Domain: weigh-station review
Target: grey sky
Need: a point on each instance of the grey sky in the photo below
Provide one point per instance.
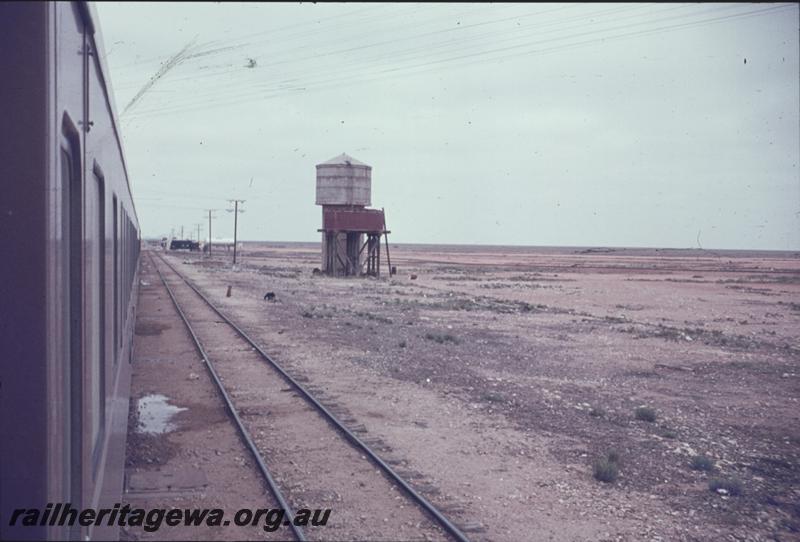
(537, 124)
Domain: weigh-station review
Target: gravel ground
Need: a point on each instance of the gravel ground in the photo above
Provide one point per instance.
(196, 459)
(311, 461)
(498, 378)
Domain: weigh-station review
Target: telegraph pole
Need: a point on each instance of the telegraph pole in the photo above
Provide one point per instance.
(181, 232)
(235, 212)
(198, 231)
(209, 229)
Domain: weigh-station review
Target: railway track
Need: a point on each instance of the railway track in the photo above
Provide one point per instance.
(295, 440)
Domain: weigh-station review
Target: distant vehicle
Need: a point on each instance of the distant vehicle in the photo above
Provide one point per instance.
(184, 244)
(69, 298)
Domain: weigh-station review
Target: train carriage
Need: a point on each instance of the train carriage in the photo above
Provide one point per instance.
(68, 285)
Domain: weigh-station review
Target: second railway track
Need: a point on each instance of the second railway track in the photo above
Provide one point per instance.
(303, 450)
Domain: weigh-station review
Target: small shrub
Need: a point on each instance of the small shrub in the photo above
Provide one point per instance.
(441, 338)
(492, 397)
(402, 344)
(669, 433)
(702, 462)
(374, 317)
(307, 314)
(645, 414)
(605, 470)
(732, 485)
(597, 412)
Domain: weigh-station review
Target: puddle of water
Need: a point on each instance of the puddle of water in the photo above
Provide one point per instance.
(155, 414)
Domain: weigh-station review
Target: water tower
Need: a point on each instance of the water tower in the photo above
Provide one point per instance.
(351, 233)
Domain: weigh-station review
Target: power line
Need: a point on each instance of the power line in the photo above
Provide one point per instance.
(173, 61)
(304, 36)
(159, 59)
(426, 48)
(200, 52)
(460, 29)
(468, 59)
(246, 94)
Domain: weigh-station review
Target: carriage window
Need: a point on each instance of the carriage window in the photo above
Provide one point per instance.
(66, 316)
(72, 221)
(97, 368)
(124, 268)
(117, 340)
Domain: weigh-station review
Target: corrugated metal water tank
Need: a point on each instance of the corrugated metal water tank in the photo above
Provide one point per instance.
(343, 180)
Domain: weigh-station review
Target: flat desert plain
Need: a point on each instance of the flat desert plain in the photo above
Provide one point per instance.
(552, 393)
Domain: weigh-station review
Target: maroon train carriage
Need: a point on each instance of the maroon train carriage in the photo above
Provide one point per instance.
(70, 240)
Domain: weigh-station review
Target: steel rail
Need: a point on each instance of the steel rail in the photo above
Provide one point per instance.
(273, 486)
(446, 524)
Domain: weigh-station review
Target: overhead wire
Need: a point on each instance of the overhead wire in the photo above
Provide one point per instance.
(159, 59)
(233, 45)
(460, 28)
(182, 58)
(426, 52)
(423, 51)
(434, 63)
(230, 67)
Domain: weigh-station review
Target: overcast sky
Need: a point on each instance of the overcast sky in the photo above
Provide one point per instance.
(659, 125)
